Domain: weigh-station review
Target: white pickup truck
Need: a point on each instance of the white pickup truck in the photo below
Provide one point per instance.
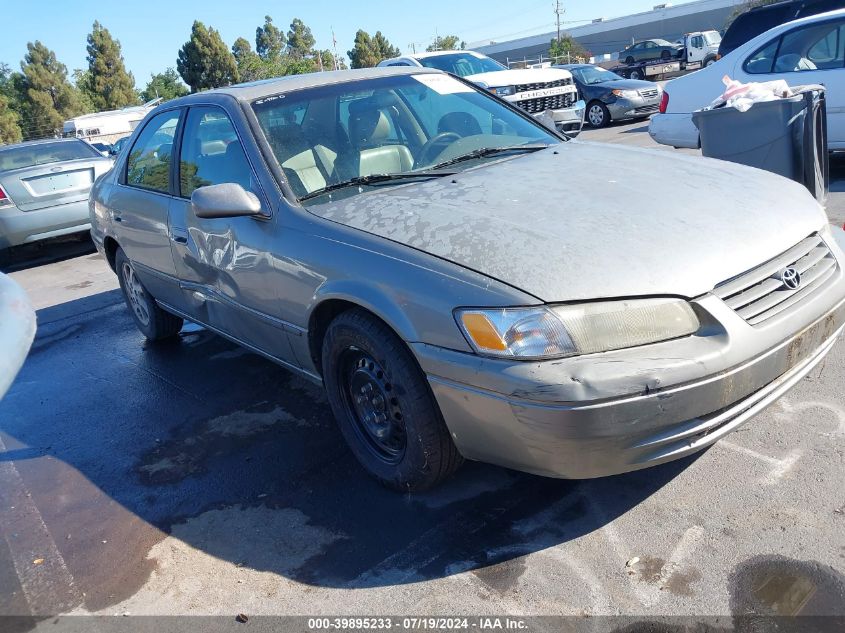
(538, 91)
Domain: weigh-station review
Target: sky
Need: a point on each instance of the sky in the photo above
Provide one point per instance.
(152, 31)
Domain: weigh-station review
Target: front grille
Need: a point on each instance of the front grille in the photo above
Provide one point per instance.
(557, 102)
(543, 86)
(760, 294)
(648, 93)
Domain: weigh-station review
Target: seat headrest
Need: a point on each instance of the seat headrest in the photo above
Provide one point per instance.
(461, 123)
(368, 127)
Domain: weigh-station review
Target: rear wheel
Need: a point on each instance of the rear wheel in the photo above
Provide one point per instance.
(629, 61)
(155, 324)
(384, 406)
(636, 74)
(598, 115)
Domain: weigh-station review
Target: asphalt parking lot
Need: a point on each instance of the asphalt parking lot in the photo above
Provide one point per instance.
(196, 478)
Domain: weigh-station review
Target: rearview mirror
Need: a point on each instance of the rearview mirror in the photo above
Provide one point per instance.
(226, 200)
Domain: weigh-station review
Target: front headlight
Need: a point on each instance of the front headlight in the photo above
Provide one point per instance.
(572, 330)
(626, 94)
(504, 91)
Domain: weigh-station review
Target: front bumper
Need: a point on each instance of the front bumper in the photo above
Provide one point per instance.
(568, 120)
(612, 413)
(21, 227)
(623, 109)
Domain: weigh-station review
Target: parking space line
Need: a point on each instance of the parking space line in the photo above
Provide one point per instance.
(683, 550)
(780, 467)
(46, 582)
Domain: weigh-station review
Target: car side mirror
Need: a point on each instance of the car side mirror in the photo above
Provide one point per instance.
(226, 200)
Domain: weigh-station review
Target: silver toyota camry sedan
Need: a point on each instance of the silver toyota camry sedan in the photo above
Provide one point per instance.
(466, 283)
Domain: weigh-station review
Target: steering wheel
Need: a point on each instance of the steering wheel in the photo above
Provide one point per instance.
(442, 139)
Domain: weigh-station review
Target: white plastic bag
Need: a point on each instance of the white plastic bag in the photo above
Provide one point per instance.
(742, 96)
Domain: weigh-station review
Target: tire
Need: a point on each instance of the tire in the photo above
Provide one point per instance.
(384, 406)
(153, 322)
(636, 74)
(629, 61)
(598, 116)
(709, 61)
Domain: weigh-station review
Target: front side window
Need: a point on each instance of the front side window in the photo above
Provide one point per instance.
(211, 152)
(148, 164)
(462, 64)
(44, 154)
(391, 126)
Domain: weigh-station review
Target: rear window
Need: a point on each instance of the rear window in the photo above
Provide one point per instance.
(44, 154)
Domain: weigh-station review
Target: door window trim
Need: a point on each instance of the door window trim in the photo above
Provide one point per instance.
(177, 134)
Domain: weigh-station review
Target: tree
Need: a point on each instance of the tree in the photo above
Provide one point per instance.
(269, 40)
(109, 85)
(567, 46)
(328, 59)
(747, 6)
(166, 85)
(48, 99)
(369, 51)
(447, 43)
(300, 40)
(10, 130)
(204, 61)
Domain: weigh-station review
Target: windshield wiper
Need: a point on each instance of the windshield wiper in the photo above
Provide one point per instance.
(484, 152)
(373, 179)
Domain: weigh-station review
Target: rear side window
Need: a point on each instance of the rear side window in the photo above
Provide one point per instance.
(211, 152)
(44, 154)
(813, 47)
(148, 165)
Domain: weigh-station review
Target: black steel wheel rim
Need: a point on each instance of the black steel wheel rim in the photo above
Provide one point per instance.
(373, 406)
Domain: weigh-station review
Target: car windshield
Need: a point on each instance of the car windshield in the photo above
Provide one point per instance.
(44, 153)
(380, 131)
(712, 37)
(591, 75)
(462, 64)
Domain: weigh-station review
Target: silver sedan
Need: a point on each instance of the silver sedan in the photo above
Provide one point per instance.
(44, 187)
(465, 282)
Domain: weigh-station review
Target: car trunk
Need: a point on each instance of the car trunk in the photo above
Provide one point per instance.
(34, 188)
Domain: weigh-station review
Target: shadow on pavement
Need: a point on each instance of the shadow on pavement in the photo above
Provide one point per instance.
(60, 249)
(241, 460)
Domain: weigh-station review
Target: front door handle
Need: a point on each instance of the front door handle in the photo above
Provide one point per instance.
(180, 236)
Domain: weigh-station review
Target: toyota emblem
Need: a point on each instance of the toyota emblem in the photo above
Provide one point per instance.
(791, 279)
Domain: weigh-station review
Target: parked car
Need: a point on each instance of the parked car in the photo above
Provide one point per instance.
(651, 49)
(44, 187)
(17, 330)
(802, 52)
(118, 145)
(610, 97)
(105, 149)
(467, 283)
(758, 20)
(538, 91)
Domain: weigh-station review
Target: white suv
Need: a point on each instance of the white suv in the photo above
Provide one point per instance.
(538, 91)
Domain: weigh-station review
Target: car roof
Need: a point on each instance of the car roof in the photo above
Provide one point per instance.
(40, 141)
(571, 66)
(441, 53)
(267, 87)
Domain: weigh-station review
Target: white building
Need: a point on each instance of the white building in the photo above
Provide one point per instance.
(608, 36)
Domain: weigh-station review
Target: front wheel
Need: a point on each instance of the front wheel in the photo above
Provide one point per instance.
(598, 115)
(384, 406)
(155, 324)
(636, 74)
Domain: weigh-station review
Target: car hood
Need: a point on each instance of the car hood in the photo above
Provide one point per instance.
(517, 77)
(584, 221)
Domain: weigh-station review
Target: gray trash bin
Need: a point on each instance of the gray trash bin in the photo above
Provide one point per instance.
(786, 136)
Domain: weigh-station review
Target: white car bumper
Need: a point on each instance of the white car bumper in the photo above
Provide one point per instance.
(676, 130)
